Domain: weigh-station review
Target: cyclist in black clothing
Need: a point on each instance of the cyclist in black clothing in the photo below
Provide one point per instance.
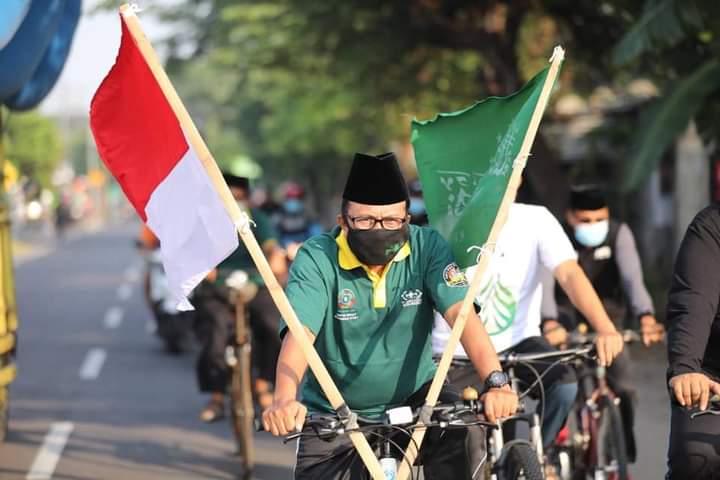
(694, 350)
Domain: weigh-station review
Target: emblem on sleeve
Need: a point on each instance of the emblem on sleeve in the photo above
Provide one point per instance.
(453, 276)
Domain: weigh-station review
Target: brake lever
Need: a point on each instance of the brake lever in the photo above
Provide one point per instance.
(705, 412)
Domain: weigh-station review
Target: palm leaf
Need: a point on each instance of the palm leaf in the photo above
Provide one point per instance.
(660, 123)
(664, 23)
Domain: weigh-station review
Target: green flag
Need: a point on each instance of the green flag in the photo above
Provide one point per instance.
(465, 159)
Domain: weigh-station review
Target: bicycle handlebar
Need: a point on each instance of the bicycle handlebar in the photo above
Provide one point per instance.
(445, 415)
(577, 338)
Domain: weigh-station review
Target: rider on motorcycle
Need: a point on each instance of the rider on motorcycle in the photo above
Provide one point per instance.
(216, 317)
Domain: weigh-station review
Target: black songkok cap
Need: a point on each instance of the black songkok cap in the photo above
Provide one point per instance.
(235, 181)
(375, 180)
(587, 197)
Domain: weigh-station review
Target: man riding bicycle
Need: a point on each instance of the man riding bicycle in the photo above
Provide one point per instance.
(531, 243)
(693, 315)
(608, 256)
(365, 293)
(216, 317)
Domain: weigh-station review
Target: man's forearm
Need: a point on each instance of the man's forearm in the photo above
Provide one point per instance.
(476, 343)
(583, 296)
(291, 367)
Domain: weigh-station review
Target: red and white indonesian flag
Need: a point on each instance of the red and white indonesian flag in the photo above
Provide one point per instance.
(142, 143)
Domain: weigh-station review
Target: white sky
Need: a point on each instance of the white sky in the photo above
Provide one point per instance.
(93, 52)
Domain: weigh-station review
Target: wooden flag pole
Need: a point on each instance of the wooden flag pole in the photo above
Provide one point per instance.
(241, 220)
(485, 255)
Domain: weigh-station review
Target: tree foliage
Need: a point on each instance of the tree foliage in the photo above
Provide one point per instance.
(678, 43)
(33, 144)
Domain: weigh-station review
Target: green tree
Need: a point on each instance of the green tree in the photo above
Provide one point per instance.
(678, 43)
(33, 144)
(298, 86)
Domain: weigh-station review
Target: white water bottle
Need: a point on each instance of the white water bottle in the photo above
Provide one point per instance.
(388, 463)
(389, 466)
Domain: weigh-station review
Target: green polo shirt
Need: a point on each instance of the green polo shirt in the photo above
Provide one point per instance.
(373, 331)
(240, 259)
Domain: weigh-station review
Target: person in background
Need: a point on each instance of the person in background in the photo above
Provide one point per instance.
(608, 255)
(530, 243)
(693, 317)
(216, 316)
(417, 211)
(295, 226)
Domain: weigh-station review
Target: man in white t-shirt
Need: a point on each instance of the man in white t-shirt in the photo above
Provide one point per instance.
(531, 244)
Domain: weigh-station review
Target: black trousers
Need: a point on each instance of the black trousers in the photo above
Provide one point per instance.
(216, 327)
(445, 454)
(694, 451)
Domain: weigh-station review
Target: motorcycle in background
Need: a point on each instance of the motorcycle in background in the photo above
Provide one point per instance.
(174, 327)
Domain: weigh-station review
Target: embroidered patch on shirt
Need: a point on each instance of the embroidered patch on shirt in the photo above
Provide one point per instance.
(453, 276)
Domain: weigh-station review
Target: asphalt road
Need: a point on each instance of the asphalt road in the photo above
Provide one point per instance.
(97, 397)
(132, 409)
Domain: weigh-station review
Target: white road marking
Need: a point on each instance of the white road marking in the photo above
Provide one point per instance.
(114, 317)
(124, 292)
(132, 273)
(48, 456)
(93, 364)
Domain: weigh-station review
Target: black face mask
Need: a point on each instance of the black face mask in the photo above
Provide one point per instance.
(377, 246)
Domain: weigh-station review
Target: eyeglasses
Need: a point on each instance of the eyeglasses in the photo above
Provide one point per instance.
(368, 223)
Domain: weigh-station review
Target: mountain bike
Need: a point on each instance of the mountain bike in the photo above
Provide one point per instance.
(239, 359)
(595, 449)
(512, 451)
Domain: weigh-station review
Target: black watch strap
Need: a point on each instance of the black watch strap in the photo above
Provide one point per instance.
(496, 379)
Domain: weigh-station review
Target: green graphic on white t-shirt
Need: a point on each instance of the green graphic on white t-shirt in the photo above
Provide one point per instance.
(498, 307)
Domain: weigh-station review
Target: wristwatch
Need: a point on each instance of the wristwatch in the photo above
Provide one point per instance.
(496, 379)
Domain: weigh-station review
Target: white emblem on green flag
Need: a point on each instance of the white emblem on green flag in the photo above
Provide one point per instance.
(465, 160)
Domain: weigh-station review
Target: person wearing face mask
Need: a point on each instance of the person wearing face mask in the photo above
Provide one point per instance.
(365, 293)
(216, 316)
(608, 255)
(295, 226)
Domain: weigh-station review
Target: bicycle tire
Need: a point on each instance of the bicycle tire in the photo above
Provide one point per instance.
(611, 441)
(4, 413)
(243, 410)
(521, 463)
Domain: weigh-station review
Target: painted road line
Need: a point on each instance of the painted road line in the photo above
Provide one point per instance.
(150, 327)
(124, 292)
(114, 317)
(93, 364)
(132, 274)
(48, 456)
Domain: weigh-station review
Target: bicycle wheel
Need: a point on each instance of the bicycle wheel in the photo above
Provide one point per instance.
(243, 411)
(520, 462)
(610, 443)
(4, 412)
